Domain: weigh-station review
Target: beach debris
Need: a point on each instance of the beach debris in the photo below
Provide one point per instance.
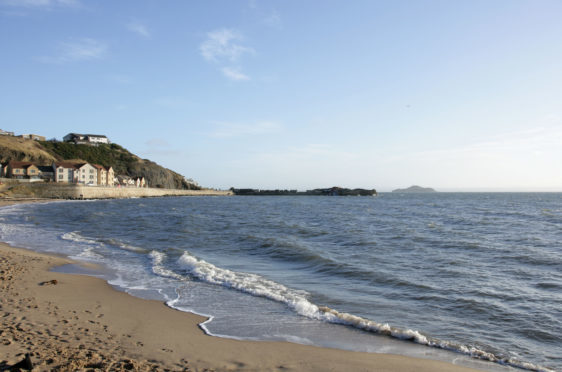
(24, 364)
(50, 282)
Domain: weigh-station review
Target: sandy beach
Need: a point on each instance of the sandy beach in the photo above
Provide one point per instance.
(72, 322)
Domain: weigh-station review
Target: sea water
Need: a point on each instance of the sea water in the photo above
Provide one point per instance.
(471, 278)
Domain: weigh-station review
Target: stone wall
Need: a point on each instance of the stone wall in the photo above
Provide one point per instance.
(99, 192)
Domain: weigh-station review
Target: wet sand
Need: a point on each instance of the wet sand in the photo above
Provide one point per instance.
(72, 322)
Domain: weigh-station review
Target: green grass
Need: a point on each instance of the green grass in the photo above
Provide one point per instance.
(107, 155)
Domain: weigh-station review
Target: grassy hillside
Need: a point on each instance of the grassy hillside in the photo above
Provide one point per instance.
(122, 161)
(107, 155)
(14, 148)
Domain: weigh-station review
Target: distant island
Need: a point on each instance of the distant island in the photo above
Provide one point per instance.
(415, 189)
(330, 191)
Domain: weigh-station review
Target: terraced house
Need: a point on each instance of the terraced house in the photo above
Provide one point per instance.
(87, 174)
(22, 170)
(106, 176)
(64, 172)
(67, 172)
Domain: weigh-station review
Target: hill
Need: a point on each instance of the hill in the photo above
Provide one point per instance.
(415, 189)
(14, 148)
(113, 155)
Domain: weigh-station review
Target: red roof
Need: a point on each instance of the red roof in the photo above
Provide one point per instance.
(65, 164)
(19, 164)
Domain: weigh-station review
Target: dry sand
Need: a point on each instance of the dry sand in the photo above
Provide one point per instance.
(73, 322)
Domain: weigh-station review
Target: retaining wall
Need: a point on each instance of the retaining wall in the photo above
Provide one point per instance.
(98, 192)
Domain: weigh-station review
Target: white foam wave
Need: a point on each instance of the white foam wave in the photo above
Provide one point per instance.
(7, 230)
(259, 286)
(89, 254)
(75, 236)
(249, 283)
(159, 269)
(125, 246)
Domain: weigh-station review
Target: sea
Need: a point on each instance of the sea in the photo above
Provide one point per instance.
(470, 278)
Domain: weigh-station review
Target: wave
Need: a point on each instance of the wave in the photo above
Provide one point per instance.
(296, 300)
(125, 246)
(297, 252)
(89, 254)
(159, 269)
(75, 236)
(283, 248)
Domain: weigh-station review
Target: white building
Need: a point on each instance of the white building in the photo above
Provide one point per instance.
(64, 172)
(86, 174)
(83, 173)
(86, 139)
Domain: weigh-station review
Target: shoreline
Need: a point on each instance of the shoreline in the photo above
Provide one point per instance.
(76, 191)
(83, 322)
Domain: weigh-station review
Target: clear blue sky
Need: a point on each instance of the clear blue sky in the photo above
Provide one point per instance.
(455, 95)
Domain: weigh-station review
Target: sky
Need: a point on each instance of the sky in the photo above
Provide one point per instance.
(461, 95)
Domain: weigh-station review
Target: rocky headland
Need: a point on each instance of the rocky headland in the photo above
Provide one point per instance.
(329, 191)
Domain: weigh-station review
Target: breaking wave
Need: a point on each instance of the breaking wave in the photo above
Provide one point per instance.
(158, 266)
(296, 300)
(468, 258)
(75, 236)
(125, 246)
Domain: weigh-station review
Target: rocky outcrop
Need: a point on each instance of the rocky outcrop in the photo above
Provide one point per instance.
(331, 191)
(158, 176)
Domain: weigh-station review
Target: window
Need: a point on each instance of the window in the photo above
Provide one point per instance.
(91, 171)
(60, 176)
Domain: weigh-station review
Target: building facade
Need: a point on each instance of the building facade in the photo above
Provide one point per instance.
(86, 174)
(64, 172)
(86, 139)
(110, 177)
(22, 170)
(69, 172)
(94, 138)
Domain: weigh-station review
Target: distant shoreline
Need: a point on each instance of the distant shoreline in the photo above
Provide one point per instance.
(72, 192)
(330, 191)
